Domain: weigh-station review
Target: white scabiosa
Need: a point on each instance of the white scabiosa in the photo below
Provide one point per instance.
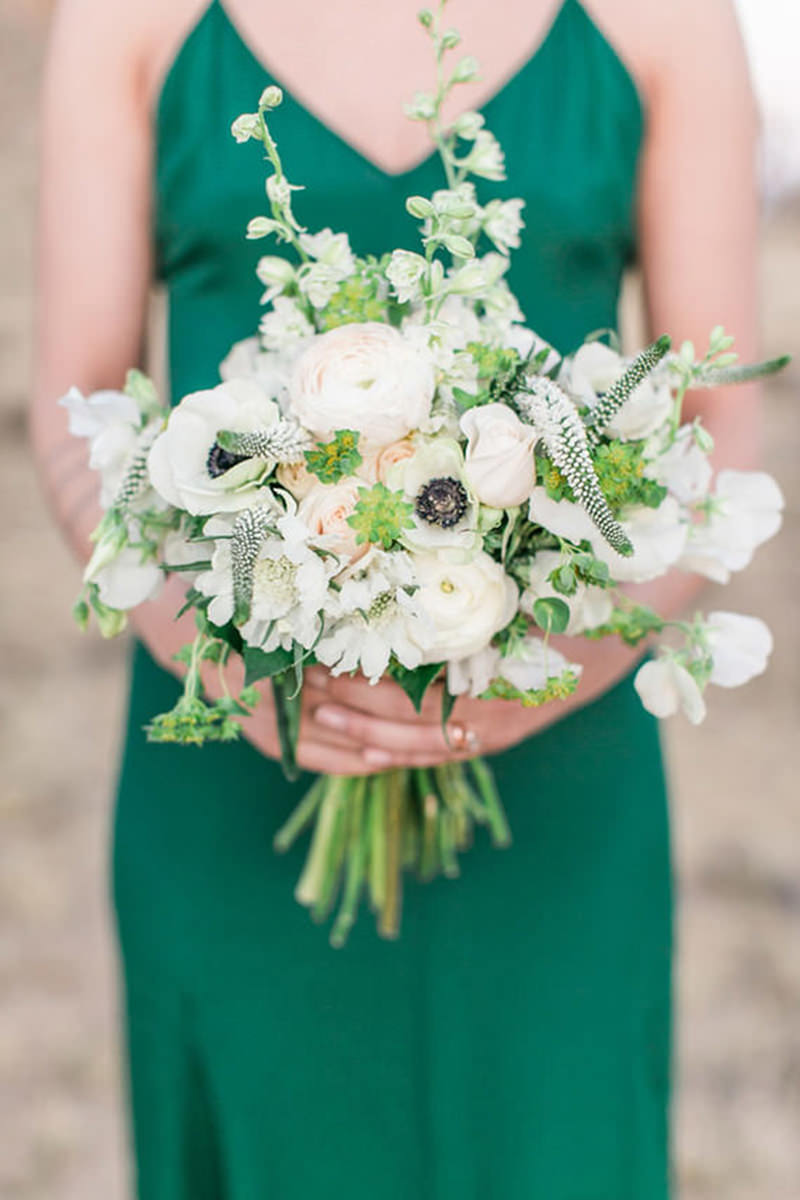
(665, 688)
(290, 583)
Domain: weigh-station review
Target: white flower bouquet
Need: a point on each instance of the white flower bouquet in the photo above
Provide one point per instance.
(397, 477)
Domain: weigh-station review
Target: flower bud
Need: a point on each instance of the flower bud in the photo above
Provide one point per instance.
(425, 18)
(271, 97)
(459, 247)
(260, 227)
(274, 271)
(467, 70)
(247, 126)
(450, 39)
(419, 207)
(468, 124)
(421, 108)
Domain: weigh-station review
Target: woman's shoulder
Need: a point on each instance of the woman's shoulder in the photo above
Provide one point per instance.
(140, 39)
(666, 42)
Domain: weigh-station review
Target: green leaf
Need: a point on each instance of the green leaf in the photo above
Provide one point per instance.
(448, 704)
(551, 615)
(564, 580)
(264, 664)
(288, 707)
(416, 682)
(380, 516)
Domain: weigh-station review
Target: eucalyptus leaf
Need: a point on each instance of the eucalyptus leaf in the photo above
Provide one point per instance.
(551, 615)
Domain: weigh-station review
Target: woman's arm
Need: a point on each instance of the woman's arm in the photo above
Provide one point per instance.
(697, 218)
(94, 252)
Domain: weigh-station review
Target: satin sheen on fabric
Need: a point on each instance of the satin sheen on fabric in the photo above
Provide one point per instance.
(514, 1044)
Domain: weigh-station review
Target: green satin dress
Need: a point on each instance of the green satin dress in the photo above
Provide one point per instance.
(514, 1043)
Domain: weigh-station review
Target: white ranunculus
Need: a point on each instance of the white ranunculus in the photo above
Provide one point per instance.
(665, 687)
(682, 468)
(594, 368)
(365, 377)
(128, 581)
(740, 647)
(499, 457)
(325, 509)
(746, 511)
(467, 603)
(179, 463)
(588, 606)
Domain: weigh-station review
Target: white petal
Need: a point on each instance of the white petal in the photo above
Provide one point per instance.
(740, 647)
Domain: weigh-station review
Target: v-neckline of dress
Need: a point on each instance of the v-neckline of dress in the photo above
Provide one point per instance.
(515, 76)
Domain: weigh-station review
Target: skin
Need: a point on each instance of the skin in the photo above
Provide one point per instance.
(697, 221)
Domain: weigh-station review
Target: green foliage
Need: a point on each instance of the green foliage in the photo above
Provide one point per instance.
(619, 467)
(416, 682)
(551, 614)
(361, 297)
(262, 664)
(558, 687)
(508, 639)
(192, 722)
(331, 461)
(630, 624)
(380, 516)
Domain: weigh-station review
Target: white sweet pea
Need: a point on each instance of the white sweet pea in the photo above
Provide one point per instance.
(290, 583)
(502, 223)
(182, 466)
(405, 272)
(365, 377)
(740, 647)
(285, 327)
(374, 615)
(658, 536)
(588, 606)
(529, 669)
(683, 468)
(665, 688)
(499, 458)
(746, 511)
(595, 368)
(467, 603)
(110, 421)
(128, 580)
(561, 517)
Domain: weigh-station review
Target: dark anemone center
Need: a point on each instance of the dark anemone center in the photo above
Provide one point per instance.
(219, 461)
(442, 501)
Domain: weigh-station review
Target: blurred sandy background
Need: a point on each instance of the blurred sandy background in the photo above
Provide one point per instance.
(736, 801)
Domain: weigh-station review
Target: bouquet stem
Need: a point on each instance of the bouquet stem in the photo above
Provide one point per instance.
(368, 830)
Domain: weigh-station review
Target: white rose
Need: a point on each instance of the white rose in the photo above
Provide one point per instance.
(740, 647)
(385, 464)
(365, 377)
(181, 467)
(595, 368)
(665, 687)
(499, 456)
(325, 510)
(467, 603)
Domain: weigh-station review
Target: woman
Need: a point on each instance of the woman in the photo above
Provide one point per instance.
(515, 1042)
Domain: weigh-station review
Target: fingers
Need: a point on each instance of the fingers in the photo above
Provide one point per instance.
(385, 698)
(402, 738)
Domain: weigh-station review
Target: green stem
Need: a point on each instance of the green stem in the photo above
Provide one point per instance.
(389, 923)
(356, 863)
(300, 817)
(376, 803)
(495, 814)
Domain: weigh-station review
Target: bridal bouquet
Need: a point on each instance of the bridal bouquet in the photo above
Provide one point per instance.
(398, 477)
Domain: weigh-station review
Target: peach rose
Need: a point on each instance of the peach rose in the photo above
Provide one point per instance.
(325, 510)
